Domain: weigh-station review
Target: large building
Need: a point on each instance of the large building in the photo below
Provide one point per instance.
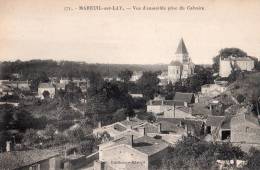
(30, 160)
(181, 67)
(48, 87)
(241, 63)
(128, 153)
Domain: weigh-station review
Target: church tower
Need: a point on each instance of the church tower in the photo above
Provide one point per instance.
(181, 53)
(181, 67)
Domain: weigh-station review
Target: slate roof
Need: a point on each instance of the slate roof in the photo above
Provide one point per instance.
(18, 159)
(45, 85)
(183, 97)
(181, 48)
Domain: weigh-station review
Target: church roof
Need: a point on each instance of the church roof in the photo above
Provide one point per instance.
(181, 48)
(176, 63)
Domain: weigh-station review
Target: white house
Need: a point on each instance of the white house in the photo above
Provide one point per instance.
(213, 90)
(46, 87)
(240, 63)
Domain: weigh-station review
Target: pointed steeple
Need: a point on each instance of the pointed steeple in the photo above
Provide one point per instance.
(181, 48)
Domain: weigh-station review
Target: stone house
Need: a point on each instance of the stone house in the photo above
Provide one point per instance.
(5, 90)
(46, 87)
(184, 99)
(240, 63)
(128, 153)
(212, 90)
(218, 126)
(136, 76)
(30, 160)
(21, 85)
(177, 108)
(60, 86)
(245, 130)
(133, 126)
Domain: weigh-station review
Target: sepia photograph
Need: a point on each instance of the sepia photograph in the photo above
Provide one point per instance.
(129, 85)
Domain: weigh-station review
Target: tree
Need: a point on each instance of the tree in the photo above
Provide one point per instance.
(193, 84)
(125, 75)
(225, 53)
(253, 160)
(169, 91)
(76, 135)
(31, 137)
(46, 94)
(50, 131)
(192, 153)
(36, 78)
(148, 84)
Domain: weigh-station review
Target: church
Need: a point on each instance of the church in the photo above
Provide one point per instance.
(181, 67)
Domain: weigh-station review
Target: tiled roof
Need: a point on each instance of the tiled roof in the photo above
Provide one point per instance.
(200, 109)
(149, 145)
(132, 122)
(45, 85)
(181, 48)
(18, 159)
(60, 85)
(183, 97)
(214, 120)
(144, 144)
(168, 102)
(119, 127)
(151, 128)
(240, 119)
(157, 102)
(160, 102)
(252, 118)
(170, 124)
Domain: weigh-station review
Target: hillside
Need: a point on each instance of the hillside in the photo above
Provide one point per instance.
(248, 87)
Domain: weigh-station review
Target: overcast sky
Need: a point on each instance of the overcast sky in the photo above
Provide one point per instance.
(41, 29)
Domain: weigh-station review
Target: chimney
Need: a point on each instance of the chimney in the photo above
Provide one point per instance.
(99, 124)
(159, 127)
(130, 140)
(8, 146)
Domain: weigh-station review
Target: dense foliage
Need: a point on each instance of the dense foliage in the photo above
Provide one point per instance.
(192, 153)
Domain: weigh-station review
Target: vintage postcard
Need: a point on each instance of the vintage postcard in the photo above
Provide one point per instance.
(129, 84)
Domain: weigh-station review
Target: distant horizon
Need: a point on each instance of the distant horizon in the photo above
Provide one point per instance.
(85, 62)
(44, 29)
